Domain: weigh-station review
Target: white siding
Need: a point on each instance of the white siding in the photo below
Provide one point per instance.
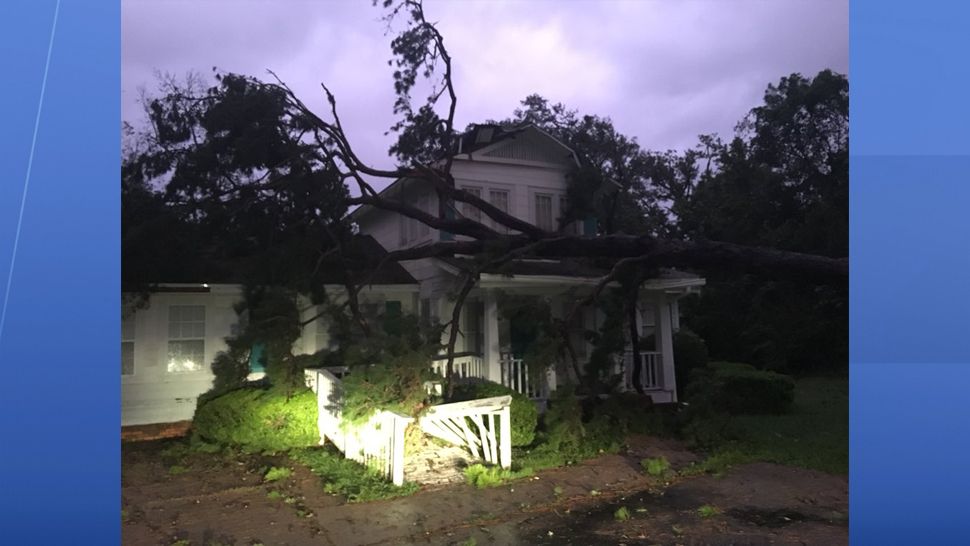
(152, 394)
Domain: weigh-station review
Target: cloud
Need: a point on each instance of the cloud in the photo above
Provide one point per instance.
(664, 71)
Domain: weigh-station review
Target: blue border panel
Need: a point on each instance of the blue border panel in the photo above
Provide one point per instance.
(910, 256)
(910, 243)
(909, 72)
(59, 347)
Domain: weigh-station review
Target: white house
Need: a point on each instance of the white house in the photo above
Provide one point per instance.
(170, 338)
(166, 348)
(521, 171)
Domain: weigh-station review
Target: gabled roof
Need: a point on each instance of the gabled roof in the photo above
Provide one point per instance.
(481, 138)
(360, 256)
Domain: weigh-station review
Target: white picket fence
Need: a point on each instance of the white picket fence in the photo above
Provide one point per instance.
(450, 422)
(378, 443)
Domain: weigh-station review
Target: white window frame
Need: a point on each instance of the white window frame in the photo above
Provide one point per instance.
(509, 208)
(128, 340)
(177, 333)
(551, 226)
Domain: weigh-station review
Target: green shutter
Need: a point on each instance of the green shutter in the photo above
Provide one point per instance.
(257, 358)
(392, 318)
(450, 215)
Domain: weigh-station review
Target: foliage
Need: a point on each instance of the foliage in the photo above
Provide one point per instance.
(708, 511)
(690, 353)
(612, 184)
(621, 514)
(814, 435)
(607, 342)
(782, 182)
(566, 438)
(524, 415)
(395, 384)
(739, 389)
(657, 467)
(277, 473)
(342, 476)
(227, 169)
(538, 336)
(633, 413)
(258, 419)
(271, 319)
(482, 476)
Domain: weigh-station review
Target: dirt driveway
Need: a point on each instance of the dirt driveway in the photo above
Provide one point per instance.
(608, 500)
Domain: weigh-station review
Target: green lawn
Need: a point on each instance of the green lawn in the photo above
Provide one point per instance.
(815, 435)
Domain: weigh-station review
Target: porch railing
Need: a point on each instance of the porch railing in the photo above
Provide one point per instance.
(464, 366)
(516, 376)
(651, 370)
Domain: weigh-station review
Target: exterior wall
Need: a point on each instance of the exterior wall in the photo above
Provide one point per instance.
(516, 167)
(316, 335)
(152, 394)
(522, 182)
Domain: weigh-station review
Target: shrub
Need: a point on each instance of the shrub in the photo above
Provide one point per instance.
(708, 511)
(690, 353)
(394, 384)
(631, 412)
(482, 476)
(523, 412)
(658, 467)
(740, 389)
(567, 438)
(258, 419)
(277, 473)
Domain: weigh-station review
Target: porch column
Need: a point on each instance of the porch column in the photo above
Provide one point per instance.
(665, 343)
(675, 313)
(492, 346)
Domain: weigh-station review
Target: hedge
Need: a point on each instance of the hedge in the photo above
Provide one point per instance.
(740, 389)
(258, 419)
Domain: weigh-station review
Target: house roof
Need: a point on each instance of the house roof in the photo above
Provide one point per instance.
(360, 256)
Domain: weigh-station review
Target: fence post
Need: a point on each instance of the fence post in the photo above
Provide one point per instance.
(505, 438)
(397, 450)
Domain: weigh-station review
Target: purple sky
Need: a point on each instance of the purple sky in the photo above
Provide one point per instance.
(664, 71)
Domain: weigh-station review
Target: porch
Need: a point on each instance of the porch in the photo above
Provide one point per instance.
(492, 342)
